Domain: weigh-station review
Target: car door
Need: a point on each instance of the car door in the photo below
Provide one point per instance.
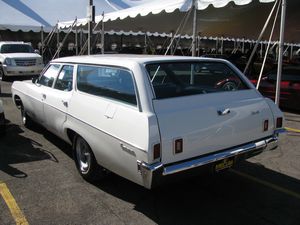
(56, 100)
(37, 93)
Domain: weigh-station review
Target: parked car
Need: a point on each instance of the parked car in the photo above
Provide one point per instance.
(147, 118)
(290, 86)
(19, 58)
(2, 119)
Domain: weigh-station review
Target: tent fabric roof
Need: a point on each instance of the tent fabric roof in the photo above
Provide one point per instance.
(227, 18)
(27, 15)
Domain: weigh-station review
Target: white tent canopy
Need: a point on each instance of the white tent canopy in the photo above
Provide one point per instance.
(227, 18)
(30, 15)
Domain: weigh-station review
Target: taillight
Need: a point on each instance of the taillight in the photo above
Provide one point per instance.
(156, 151)
(178, 148)
(266, 125)
(279, 122)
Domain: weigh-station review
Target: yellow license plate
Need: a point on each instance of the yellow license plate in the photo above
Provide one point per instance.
(224, 164)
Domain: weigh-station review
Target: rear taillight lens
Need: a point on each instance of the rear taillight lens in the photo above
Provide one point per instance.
(266, 125)
(178, 148)
(279, 122)
(156, 151)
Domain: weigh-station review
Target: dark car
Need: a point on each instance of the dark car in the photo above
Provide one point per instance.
(290, 86)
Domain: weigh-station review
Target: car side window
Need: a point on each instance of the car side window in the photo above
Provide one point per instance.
(114, 83)
(48, 77)
(64, 81)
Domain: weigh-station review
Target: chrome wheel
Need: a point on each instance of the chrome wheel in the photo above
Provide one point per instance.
(24, 116)
(83, 155)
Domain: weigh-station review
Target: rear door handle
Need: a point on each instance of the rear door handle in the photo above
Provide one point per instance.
(44, 96)
(223, 112)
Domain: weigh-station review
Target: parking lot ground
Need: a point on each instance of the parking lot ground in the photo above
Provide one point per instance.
(38, 171)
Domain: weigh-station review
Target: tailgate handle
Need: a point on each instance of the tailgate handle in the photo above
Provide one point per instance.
(223, 112)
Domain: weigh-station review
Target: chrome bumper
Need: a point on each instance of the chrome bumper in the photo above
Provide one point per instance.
(149, 172)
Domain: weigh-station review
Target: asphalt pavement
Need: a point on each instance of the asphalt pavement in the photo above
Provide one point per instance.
(39, 185)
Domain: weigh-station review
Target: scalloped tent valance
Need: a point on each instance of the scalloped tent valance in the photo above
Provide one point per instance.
(228, 18)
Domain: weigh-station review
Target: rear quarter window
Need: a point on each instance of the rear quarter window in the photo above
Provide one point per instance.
(114, 83)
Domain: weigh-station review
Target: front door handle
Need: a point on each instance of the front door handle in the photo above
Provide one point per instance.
(223, 112)
(65, 103)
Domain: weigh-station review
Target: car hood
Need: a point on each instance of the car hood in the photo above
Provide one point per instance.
(20, 55)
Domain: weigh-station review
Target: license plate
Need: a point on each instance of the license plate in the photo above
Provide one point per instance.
(224, 164)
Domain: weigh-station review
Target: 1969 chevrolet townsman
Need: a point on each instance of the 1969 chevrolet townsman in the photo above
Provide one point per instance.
(150, 118)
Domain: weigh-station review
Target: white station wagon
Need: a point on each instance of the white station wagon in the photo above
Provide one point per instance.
(150, 118)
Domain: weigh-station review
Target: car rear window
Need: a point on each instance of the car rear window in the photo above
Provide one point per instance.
(175, 79)
(114, 83)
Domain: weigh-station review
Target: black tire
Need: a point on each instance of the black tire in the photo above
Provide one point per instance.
(85, 161)
(26, 120)
(2, 74)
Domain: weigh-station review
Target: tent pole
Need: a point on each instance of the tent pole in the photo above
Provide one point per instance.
(259, 38)
(81, 37)
(57, 38)
(281, 46)
(291, 53)
(194, 28)
(76, 38)
(243, 46)
(64, 39)
(199, 42)
(91, 16)
(42, 42)
(102, 34)
(222, 45)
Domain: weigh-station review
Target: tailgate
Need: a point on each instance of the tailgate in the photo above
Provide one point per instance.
(199, 122)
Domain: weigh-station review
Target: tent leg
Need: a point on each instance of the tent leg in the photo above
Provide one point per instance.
(76, 39)
(291, 53)
(194, 28)
(280, 52)
(259, 38)
(57, 39)
(102, 34)
(42, 42)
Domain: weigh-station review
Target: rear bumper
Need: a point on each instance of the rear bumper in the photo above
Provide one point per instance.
(155, 173)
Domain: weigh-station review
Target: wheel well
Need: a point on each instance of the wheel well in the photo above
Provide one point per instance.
(18, 101)
(71, 134)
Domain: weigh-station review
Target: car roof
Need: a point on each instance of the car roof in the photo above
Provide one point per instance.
(127, 59)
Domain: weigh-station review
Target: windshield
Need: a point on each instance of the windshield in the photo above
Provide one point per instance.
(190, 78)
(16, 48)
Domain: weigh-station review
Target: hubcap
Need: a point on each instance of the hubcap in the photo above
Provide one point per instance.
(83, 155)
(23, 116)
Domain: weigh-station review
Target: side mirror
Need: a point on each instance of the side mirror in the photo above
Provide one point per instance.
(34, 79)
(36, 51)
